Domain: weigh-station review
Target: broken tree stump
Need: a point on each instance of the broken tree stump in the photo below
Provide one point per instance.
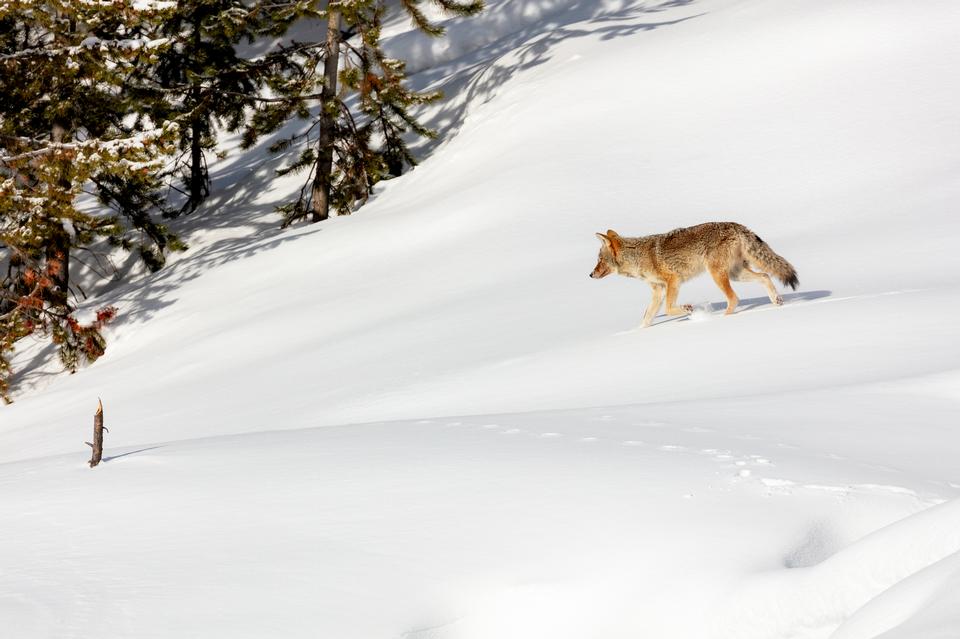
(98, 429)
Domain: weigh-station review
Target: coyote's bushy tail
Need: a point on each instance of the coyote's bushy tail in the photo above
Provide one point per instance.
(763, 256)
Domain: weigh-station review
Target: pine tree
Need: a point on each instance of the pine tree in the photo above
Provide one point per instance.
(362, 104)
(67, 127)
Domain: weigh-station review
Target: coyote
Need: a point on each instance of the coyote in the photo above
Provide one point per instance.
(664, 261)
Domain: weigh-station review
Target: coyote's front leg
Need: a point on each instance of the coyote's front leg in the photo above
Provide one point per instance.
(673, 289)
(655, 303)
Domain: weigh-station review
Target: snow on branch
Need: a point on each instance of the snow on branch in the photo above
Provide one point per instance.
(116, 146)
(126, 45)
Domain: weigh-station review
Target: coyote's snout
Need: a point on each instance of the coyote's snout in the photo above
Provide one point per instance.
(600, 270)
(726, 249)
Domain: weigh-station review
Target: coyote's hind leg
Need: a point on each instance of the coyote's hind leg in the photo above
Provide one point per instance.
(744, 274)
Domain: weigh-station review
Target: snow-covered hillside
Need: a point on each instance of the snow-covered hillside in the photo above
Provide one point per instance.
(425, 421)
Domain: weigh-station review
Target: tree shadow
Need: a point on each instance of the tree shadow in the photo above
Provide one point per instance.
(32, 371)
(140, 299)
(476, 77)
(132, 452)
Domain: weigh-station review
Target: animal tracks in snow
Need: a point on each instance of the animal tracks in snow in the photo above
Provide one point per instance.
(727, 459)
(734, 466)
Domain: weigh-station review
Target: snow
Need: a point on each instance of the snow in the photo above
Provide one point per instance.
(426, 421)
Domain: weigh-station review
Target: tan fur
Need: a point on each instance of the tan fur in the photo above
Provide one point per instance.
(726, 250)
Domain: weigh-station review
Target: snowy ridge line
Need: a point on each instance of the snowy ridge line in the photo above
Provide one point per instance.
(823, 596)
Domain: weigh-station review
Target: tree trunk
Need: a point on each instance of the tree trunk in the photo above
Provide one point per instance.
(57, 246)
(198, 178)
(320, 198)
(98, 429)
(57, 254)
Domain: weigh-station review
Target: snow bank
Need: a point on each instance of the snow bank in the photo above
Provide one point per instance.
(896, 569)
(925, 604)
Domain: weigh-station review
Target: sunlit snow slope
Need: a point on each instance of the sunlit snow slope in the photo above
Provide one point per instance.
(425, 421)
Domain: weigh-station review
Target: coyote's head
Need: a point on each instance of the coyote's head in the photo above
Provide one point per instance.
(607, 262)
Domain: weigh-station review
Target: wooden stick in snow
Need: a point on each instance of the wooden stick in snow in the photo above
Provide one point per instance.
(98, 429)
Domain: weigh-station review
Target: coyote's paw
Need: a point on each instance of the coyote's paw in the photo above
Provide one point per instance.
(778, 300)
(687, 307)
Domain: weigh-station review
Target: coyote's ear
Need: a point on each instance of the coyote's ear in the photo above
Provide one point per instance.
(613, 241)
